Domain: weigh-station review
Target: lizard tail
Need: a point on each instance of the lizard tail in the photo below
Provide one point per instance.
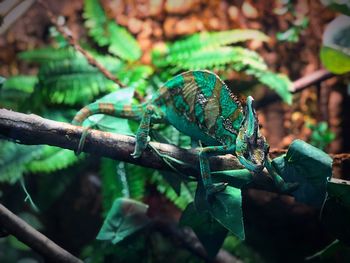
(133, 112)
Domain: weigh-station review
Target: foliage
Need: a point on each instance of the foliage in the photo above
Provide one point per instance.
(66, 81)
(335, 52)
(107, 33)
(298, 25)
(338, 5)
(321, 135)
(298, 165)
(208, 230)
(124, 218)
(213, 51)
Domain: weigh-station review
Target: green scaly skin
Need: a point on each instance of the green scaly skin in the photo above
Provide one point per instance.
(199, 104)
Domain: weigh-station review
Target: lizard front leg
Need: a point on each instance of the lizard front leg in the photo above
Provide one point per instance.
(204, 155)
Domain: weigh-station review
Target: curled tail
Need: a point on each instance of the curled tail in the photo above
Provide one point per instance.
(133, 112)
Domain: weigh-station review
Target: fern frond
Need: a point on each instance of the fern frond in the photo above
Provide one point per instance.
(182, 200)
(53, 159)
(21, 83)
(121, 180)
(211, 40)
(107, 33)
(48, 54)
(74, 81)
(16, 90)
(122, 43)
(281, 84)
(237, 57)
(240, 59)
(14, 158)
(136, 77)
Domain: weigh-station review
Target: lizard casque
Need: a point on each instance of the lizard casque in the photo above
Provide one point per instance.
(199, 104)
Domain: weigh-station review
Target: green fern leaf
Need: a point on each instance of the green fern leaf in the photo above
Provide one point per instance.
(122, 43)
(53, 159)
(237, 57)
(48, 54)
(281, 84)
(182, 200)
(16, 90)
(14, 158)
(211, 40)
(107, 33)
(74, 81)
(241, 60)
(20, 83)
(121, 180)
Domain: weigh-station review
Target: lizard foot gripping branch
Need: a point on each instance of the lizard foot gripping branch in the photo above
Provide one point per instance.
(199, 104)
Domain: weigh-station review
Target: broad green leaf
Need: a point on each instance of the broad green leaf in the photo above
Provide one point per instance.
(335, 53)
(209, 231)
(334, 60)
(310, 167)
(126, 217)
(226, 208)
(342, 6)
(336, 210)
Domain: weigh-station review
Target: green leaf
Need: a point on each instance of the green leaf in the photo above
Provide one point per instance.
(336, 210)
(122, 43)
(335, 53)
(340, 6)
(281, 84)
(334, 60)
(299, 165)
(111, 123)
(226, 208)
(209, 231)
(53, 159)
(21, 82)
(75, 81)
(126, 217)
(47, 54)
(107, 33)
(212, 40)
(14, 159)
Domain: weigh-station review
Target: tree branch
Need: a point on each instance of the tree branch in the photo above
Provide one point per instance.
(32, 129)
(34, 239)
(311, 79)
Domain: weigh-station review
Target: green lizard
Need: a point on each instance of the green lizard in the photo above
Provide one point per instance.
(199, 104)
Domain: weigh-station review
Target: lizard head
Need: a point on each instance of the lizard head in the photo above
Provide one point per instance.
(251, 146)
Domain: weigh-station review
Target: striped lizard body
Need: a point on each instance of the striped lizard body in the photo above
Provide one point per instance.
(199, 104)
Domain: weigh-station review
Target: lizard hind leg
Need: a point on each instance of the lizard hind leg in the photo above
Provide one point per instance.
(150, 115)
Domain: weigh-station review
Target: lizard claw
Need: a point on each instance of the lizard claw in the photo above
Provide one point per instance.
(136, 154)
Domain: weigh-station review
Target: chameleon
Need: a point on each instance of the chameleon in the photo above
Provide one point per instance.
(199, 104)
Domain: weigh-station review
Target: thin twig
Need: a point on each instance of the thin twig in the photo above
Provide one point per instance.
(15, 226)
(68, 36)
(311, 79)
